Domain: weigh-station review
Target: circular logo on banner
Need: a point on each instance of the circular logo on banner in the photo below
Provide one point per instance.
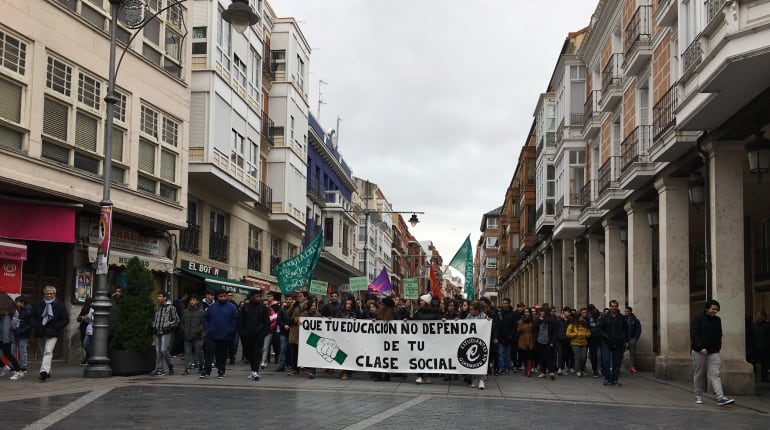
(9, 267)
(472, 353)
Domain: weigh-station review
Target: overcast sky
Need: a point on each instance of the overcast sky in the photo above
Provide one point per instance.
(436, 96)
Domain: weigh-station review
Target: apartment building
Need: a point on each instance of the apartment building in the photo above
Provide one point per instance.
(248, 150)
(487, 254)
(329, 209)
(375, 228)
(669, 214)
(53, 80)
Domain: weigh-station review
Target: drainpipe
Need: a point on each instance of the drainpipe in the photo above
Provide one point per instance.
(707, 211)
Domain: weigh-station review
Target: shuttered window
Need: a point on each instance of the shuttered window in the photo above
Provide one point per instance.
(146, 184)
(146, 157)
(55, 117)
(55, 153)
(86, 128)
(86, 163)
(167, 166)
(10, 139)
(117, 144)
(10, 101)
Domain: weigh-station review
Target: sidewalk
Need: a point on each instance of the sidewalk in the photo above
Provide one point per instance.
(641, 389)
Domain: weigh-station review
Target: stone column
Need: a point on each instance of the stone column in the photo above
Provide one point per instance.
(567, 273)
(674, 360)
(726, 166)
(547, 275)
(557, 298)
(540, 276)
(614, 262)
(596, 271)
(525, 283)
(640, 280)
(580, 274)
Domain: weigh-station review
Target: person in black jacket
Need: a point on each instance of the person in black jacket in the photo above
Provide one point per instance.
(614, 333)
(544, 331)
(253, 323)
(706, 342)
(504, 336)
(49, 317)
(426, 311)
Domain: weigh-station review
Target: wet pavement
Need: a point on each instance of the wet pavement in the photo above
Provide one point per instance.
(69, 401)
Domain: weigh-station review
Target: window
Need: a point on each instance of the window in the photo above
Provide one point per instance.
(491, 263)
(492, 222)
(199, 45)
(224, 39)
(239, 71)
(237, 153)
(255, 237)
(550, 189)
(255, 71)
(217, 236)
(13, 62)
(275, 249)
(491, 242)
(158, 153)
(577, 160)
(328, 231)
(253, 159)
(278, 59)
(163, 38)
(300, 77)
(73, 121)
(291, 251)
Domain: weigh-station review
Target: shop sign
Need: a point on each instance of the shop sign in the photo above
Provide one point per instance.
(123, 238)
(193, 266)
(10, 276)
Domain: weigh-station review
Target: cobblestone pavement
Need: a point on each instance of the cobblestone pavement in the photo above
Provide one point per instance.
(69, 401)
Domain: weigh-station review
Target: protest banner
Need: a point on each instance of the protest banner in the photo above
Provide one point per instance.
(454, 347)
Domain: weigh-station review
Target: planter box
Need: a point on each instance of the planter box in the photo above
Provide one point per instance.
(126, 362)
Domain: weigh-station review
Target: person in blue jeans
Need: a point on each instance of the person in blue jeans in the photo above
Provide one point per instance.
(614, 340)
(503, 336)
(22, 332)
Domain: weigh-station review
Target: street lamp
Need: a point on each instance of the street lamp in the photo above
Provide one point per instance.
(240, 15)
(758, 151)
(696, 188)
(412, 220)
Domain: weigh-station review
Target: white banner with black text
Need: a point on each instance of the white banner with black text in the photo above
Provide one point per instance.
(454, 347)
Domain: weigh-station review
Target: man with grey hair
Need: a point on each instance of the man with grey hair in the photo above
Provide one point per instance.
(49, 317)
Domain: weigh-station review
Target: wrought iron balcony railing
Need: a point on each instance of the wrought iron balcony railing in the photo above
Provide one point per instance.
(692, 56)
(712, 8)
(591, 106)
(265, 195)
(608, 173)
(639, 29)
(218, 247)
(635, 147)
(663, 116)
(268, 127)
(190, 239)
(611, 74)
(254, 259)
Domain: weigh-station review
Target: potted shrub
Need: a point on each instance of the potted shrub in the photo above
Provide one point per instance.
(131, 350)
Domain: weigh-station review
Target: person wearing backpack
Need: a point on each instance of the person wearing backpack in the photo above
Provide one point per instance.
(166, 319)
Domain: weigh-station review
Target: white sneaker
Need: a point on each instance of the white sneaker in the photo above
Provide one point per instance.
(4, 371)
(16, 375)
(251, 375)
(481, 385)
(256, 376)
(542, 375)
(419, 380)
(560, 372)
(698, 400)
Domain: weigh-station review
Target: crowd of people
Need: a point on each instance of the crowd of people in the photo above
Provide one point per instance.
(532, 340)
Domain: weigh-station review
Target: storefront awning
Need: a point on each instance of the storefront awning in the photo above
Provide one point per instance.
(120, 258)
(219, 283)
(13, 250)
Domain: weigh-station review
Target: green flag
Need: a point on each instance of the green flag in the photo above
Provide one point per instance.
(295, 273)
(461, 268)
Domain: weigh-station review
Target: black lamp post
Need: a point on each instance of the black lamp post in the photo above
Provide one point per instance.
(132, 12)
(413, 221)
(696, 189)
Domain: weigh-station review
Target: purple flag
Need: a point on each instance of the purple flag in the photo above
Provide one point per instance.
(381, 284)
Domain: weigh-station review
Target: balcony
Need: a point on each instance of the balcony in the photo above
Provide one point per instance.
(335, 199)
(268, 66)
(635, 147)
(589, 213)
(609, 173)
(714, 14)
(315, 192)
(663, 117)
(218, 247)
(577, 119)
(691, 58)
(190, 239)
(612, 79)
(638, 40)
(591, 115)
(274, 263)
(223, 174)
(265, 196)
(254, 261)
(666, 12)
(268, 127)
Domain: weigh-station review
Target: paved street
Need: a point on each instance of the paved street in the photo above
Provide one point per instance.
(68, 401)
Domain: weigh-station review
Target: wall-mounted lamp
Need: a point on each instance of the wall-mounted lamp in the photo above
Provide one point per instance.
(623, 235)
(571, 260)
(696, 190)
(601, 247)
(653, 217)
(758, 151)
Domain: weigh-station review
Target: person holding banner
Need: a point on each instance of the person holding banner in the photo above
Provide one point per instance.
(310, 310)
(475, 313)
(425, 312)
(295, 311)
(346, 312)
